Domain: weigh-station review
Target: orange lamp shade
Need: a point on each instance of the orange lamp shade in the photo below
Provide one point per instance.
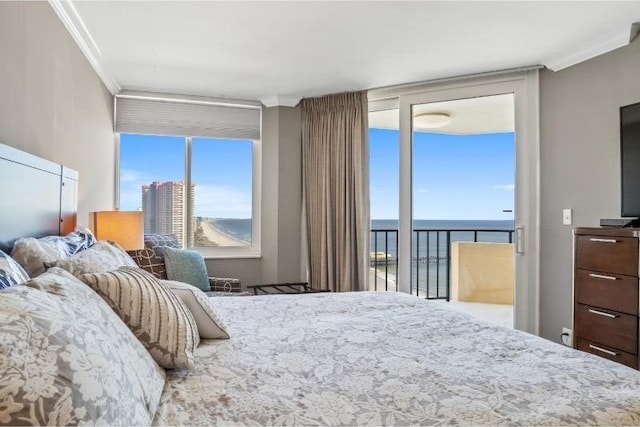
(123, 227)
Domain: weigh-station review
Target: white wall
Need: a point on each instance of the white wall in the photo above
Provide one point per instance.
(52, 103)
(579, 165)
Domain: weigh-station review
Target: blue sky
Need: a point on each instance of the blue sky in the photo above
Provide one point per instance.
(455, 176)
(221, 170)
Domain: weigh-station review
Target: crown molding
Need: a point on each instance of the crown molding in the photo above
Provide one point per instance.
(280, 101)
(601, 45)
(79, 32)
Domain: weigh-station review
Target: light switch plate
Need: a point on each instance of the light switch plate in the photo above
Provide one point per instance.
(567, 217)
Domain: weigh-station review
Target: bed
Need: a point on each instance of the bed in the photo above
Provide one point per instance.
(362, 358)
(373, 358)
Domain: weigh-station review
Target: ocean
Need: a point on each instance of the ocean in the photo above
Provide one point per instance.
(430, 254)
(437, 245)
(241, 229)
(429, 275)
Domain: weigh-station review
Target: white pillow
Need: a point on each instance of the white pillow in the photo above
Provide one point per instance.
(210, 325)
(32, 253)
(67, 359)
(102, 257)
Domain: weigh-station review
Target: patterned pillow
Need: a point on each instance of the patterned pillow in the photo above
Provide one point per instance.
(101, 257)
(210, 325)
(67, 359)
(151, 258)
(32, 253)
(225, 284)
(159, 319)
(187, 267)
(11, 273)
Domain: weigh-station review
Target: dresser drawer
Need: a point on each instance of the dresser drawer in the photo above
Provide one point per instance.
(606, 290)
(598, 349)
(607, 254)
(613, 329)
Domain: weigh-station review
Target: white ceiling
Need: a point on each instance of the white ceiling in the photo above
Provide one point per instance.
(487, 114)
(278, 52)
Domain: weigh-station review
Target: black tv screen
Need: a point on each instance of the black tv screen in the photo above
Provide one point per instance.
(630, 159)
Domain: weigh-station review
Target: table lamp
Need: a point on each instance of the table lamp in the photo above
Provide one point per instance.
(123, 227)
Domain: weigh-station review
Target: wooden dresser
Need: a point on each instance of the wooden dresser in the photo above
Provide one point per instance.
(605, 286)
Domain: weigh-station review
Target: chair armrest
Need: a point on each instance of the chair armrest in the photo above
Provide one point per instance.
(225, 284)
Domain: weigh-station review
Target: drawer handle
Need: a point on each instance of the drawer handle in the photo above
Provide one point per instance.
(595, 239)
(595, 347)
(602, 313)
(602, 276)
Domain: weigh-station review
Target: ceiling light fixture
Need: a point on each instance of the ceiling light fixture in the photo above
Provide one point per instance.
(431, 120)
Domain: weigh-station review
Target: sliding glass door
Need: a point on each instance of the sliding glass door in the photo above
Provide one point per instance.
(418, 252)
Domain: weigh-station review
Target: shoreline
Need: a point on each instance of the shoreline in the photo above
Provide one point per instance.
(379, 273)
(219, 237)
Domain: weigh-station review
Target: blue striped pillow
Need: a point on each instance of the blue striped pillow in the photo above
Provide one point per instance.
(11, 273)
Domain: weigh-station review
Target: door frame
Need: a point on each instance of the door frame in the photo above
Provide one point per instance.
(525, 87)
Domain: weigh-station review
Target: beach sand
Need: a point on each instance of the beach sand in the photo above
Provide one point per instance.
(373, 272)
(217, 237)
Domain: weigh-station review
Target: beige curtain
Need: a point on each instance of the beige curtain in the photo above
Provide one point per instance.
(336, 190)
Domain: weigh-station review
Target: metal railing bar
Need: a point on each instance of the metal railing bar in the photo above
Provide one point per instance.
(437, 264)
(375, 239)
(417, 264)
(423, 250)
(448, 264)
(386, 260)
(428, 265)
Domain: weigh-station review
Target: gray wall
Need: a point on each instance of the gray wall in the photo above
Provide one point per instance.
(281, 205)
(52, 103)
(579, 164)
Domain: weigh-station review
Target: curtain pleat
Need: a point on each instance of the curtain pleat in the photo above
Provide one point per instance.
(336, 190)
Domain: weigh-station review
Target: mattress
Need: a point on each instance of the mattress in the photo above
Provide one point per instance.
(372, 358)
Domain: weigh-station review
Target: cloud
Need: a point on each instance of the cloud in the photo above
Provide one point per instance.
(129, 175)
(210, 200)
(421, 190)
(130, 199)
(506, 187)
(222, 202)
(131, 181)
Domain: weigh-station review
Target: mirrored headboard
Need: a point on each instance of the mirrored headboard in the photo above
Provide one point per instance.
(37, 197)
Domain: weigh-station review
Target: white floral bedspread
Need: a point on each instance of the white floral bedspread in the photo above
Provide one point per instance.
(392, 359)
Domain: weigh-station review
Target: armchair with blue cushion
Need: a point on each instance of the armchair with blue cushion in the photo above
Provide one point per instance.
(163, 258)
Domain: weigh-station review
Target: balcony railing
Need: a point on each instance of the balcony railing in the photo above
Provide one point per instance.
(431, 262)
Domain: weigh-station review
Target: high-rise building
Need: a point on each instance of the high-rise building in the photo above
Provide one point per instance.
(163, 204)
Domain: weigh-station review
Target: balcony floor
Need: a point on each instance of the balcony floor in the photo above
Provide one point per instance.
(500, 314)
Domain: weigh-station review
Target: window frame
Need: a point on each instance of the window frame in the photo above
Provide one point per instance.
(217, 252)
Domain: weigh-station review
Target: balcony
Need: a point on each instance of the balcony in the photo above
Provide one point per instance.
(470, 266)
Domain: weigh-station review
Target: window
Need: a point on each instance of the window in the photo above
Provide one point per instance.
(152, 179)
(222, 176)
(202, 187)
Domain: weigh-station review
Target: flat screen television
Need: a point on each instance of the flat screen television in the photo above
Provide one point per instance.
(630, 159)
